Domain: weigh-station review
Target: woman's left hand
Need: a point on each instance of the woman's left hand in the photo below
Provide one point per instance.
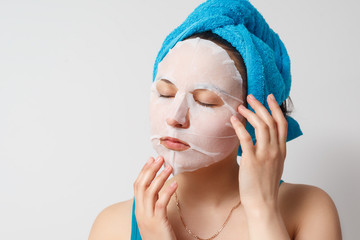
(262, 164)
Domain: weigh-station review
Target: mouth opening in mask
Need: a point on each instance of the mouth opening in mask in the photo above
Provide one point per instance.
(174, 144)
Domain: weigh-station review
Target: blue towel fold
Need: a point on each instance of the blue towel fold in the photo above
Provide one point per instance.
(265, 56)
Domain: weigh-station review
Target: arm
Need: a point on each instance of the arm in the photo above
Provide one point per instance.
(261, 167)
(265, 222)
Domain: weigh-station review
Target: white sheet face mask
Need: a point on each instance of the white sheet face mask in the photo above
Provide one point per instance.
(194, 72)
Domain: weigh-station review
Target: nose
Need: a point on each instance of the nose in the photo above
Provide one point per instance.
(171, 121)
(179, 117)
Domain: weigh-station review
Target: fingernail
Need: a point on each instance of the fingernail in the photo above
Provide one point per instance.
(157, 159)
(272, 97)
(242, 107)
(251, 97)
(167, 168)
(149, 161)
(233, 118)
(173, 184)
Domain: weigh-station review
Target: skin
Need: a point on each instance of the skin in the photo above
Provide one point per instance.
(203, 96)
(293, 211)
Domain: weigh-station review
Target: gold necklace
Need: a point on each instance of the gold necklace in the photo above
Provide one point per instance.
(197, 237)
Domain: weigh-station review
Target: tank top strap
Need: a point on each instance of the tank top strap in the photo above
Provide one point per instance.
(281, 181)
(135, 234)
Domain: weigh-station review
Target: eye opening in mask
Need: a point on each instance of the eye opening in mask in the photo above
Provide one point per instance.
(201, 103)
(207, 98)
(165, 87)
(165, 96)
(204, 97)
(206, 104)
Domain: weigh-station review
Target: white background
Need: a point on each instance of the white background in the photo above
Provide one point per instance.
(75, 81)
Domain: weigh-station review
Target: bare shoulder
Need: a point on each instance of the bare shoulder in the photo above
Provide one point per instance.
(113, 222)
(311, 211)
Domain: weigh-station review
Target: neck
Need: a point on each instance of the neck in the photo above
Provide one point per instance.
(215, 184)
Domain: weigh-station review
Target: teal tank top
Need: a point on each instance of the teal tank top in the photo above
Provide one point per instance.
(135, 234)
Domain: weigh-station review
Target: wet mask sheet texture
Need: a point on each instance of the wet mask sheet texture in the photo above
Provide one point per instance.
(177, 110)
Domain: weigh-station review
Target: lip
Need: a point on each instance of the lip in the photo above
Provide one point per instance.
(174, 143)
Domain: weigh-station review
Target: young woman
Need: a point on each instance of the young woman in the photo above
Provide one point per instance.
(218, 93)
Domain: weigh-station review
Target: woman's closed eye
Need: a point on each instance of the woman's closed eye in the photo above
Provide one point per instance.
(160, 95)
(207, 98)
(199, 102)
(206, 104)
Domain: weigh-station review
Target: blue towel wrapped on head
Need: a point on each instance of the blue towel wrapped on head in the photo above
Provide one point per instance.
(265, 56)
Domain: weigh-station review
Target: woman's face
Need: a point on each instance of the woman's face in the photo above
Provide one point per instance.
(196, 91)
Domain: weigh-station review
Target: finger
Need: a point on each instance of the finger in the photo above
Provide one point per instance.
(139, 194)
(154, 188)
(145, 181)
(281, 122)
(146, 166)
(264, 114)
(243, 135)
(150, 172)
(163, 201)
(261, 128)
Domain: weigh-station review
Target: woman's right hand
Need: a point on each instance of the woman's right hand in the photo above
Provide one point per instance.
(150, 206)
